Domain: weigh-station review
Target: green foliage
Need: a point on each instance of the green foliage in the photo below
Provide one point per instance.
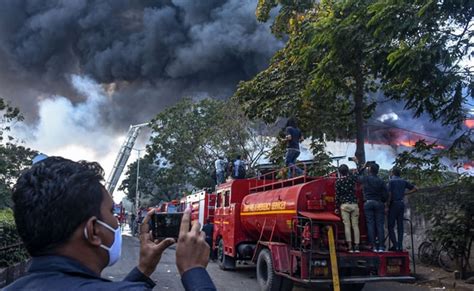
(187, 139)
(446, 199)
(450, 210)
(11, 248)
(156, 182)
(340, 52)
(290, 11)
(13, 157)
(422, 165)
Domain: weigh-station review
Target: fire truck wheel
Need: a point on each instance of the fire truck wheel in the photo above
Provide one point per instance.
(225, 262)
(266, 277)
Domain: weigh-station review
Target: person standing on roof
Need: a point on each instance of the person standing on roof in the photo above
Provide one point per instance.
(396, 190)
(238, 171)
(220, 165)
(293, 138)
(375, 196)
(346, 201)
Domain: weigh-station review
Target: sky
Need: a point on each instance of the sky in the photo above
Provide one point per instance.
(83, 71)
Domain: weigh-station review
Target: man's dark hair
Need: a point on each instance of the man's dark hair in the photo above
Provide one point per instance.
(52, 198)
(238, 157)
(396, 172)
(343, 170)
(291, 122)
(374, 168)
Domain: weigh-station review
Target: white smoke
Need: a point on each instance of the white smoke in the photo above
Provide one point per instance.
(74, 131)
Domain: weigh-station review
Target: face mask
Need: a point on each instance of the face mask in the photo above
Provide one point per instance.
(115, 249)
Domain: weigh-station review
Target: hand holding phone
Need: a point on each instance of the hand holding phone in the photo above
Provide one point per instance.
(150, 249)
(166, 225)
(192, 250)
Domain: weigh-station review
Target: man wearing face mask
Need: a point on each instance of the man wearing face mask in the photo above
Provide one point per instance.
(65, 218)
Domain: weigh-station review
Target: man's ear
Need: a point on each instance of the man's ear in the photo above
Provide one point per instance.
(91, 232)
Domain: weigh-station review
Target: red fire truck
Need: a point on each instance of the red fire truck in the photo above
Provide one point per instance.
(202, 204)
(289, 229)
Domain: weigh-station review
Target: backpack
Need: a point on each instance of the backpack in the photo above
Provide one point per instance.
(241, 171)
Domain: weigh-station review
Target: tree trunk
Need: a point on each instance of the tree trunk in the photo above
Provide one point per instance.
(358, 110)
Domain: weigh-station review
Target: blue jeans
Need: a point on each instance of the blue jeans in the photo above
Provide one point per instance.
(220, 177)
(395, 214)
(374, 216)
(290, 160)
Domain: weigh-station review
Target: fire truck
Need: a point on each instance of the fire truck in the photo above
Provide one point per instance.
(288, 228)
(202, 205)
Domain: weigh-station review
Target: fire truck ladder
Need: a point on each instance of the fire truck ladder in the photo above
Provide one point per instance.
(259, 242)
(123, 156)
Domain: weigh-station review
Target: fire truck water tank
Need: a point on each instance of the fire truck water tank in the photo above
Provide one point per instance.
(273, 210)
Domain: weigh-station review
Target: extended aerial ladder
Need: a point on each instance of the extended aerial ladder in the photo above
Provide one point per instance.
(123, 156)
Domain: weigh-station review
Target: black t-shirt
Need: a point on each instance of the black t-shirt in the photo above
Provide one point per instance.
(345, 190)
(295, 133)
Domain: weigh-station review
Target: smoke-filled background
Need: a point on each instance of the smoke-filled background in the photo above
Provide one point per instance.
(145, 55)
(82, 71)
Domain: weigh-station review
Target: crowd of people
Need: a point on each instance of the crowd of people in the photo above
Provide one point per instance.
(378, 198)
(235, 169)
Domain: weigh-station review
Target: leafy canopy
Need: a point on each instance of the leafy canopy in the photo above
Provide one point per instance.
(339, 53)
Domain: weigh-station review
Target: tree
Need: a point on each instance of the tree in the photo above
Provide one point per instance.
(445, 199)
(186, 140)
(341, 52)
(13, 157)
(156, 183)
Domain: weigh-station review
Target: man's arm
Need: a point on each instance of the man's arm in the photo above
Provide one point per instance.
(192, 256)
(338, 198)
(411, 188)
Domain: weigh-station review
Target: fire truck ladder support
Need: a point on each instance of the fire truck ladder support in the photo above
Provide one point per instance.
(257, 248)
(332, 254)
(123, 156)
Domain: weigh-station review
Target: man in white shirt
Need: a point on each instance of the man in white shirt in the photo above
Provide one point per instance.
(220, 170)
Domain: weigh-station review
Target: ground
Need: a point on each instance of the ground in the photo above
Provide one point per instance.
(167, 276)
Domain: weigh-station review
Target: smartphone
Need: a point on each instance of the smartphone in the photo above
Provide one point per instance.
(166, 225)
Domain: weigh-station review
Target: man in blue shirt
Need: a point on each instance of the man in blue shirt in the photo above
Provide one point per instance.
(375, 194)
(238, 168)
(293, 138)
(65, 218)
(396, 189)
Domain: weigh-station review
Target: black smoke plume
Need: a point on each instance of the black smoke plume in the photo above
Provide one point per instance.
(155, 52)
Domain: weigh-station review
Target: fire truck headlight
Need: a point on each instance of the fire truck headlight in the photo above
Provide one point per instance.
(320, 263)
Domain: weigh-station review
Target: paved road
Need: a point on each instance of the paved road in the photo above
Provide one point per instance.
(167, 276)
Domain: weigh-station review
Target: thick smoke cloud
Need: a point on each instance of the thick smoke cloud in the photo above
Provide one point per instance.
(154, 52)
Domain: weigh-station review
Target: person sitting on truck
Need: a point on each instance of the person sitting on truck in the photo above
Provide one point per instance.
(396, 190)
(64, 215)
(375, 195)
(346, 205)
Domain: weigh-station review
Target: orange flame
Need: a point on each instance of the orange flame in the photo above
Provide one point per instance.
(469, 123)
